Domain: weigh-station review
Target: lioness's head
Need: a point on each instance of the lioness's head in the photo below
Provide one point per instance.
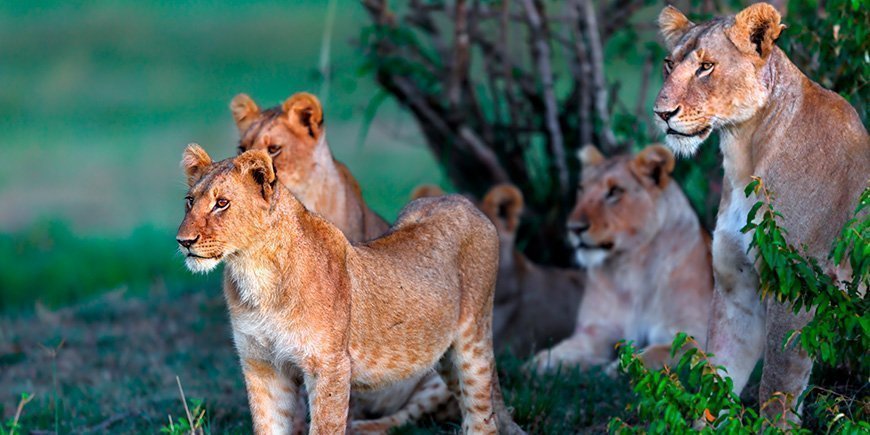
(617, 202)
(226, 207)
(714, 72)
(290, 133)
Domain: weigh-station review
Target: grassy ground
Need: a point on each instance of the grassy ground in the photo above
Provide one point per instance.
(111, 364)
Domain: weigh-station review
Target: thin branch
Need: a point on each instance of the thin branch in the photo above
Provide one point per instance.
(587, 10)
(541, 53)
(459, 61)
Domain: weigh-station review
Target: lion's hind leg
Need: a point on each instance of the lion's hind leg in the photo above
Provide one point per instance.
(430, 393)
(474, 364)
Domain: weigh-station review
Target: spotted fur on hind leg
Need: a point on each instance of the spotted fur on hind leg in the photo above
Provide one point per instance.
(430, 393)
(474, 362)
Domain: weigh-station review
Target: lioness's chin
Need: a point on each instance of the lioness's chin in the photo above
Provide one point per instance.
(590, 257)
(684, 146)
(201, 265)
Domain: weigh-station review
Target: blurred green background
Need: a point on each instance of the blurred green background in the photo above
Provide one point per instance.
(99, 98)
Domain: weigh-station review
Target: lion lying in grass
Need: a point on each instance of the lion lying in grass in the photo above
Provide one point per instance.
(308, 306)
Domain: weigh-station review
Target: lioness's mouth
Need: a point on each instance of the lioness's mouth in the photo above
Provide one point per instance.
(700, 132)
(216, 257)
(606, 246)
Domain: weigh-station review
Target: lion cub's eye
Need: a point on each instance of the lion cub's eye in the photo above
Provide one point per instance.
(188, 202)
(274, 149)
(221, 203)
(614, 194)
(240, 149)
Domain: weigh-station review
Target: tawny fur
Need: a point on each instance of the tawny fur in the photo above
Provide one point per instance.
(648, 273)
(535, 306)
(294, 135)
(807, 144)
(308, 306)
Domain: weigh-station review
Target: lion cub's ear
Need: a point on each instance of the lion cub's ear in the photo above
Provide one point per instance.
(504, 203)
(304, 115)
(195, 162)
(245, 111)
(756, 29)
(590, 156)
(655, 163)
(673, 25)
(258, 165)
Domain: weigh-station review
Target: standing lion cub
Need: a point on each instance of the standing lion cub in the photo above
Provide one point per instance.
(308, 306)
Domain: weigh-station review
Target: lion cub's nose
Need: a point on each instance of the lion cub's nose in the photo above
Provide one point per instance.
(187, 243)
(666, 115)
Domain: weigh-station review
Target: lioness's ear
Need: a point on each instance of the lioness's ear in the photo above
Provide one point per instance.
(590, 156)
(655, 163)
(245, 111)
(195, 162)
(305, 115)
(504, 202)
(258, 165)
(673, 25)
(756, 29)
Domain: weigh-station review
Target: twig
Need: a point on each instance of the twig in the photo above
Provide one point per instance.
(186, 409)
(541, 53)
(459, 61)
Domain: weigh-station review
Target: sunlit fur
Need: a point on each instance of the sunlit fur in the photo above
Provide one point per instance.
(646, 260)
(809, 147)
(308, 306)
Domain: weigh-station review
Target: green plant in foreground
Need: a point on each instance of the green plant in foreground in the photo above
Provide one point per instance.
(12, 426)
(192, 423)
(693, 396)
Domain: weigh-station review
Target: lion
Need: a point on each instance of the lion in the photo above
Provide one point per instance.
(535, 305)
(294, 136)
(647, 261)
(306, 305)
(807, 144)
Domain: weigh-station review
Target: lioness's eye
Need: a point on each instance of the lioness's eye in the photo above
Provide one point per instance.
(614, 193)
(706, 67)
(188, 202)
(669, 65)
(221, 203)
(274, 149)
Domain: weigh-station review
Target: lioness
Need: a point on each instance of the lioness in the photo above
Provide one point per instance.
(647, 260)
(805, 142)
(534, 305)
(294, 136)
(305, 304)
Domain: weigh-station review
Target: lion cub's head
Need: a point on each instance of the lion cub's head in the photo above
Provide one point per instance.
(715, 73)
(617, 202)
(290, 133)
(227, 205)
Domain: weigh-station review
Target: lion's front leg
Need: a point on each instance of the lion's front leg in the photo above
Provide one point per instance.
(591, 345)
(735, 335)
(272, 396)
(329, 395)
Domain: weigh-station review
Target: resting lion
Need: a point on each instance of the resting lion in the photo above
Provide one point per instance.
(294, 136)
(307, 305)
(647, 260)
(805, 142)
(534, 305)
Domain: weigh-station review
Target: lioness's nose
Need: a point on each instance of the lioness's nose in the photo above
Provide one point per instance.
(187, 243)
(578, 227)
(666, 115)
